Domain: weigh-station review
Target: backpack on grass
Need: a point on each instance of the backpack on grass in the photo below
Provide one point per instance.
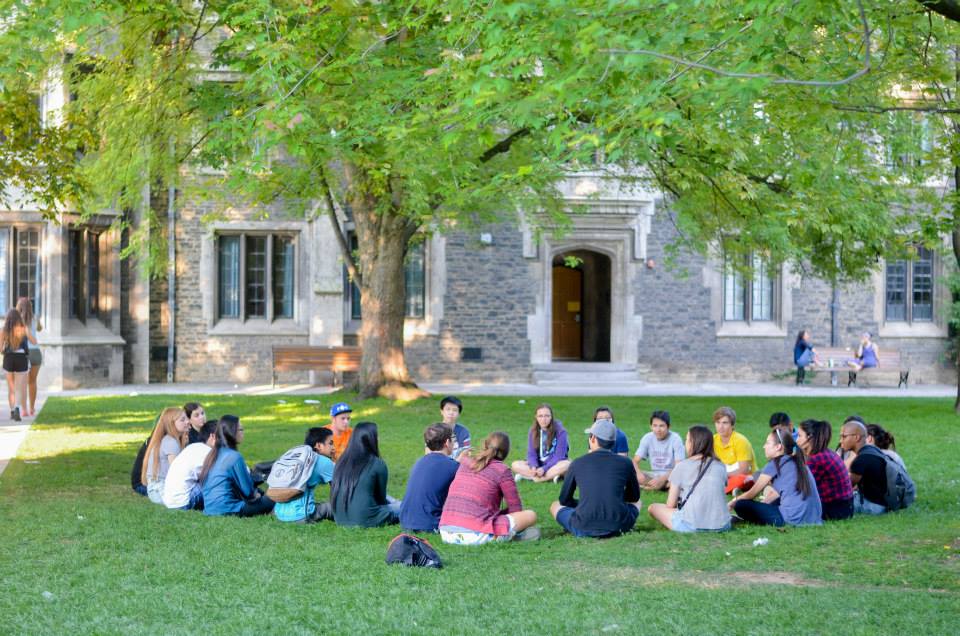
(289, 475)
(406, 549)
(901, 491)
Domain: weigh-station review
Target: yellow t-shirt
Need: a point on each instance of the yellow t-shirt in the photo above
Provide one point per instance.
(738, 450)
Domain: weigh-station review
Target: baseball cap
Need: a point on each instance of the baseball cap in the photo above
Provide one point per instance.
(603, 429)
(340, 407)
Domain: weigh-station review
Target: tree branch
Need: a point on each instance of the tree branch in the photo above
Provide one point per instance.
(503, 145)
(877, 109)
(352, 269)
(774, 79)
(949, 9)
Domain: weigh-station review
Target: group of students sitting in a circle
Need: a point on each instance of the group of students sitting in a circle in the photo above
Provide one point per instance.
(469, 495)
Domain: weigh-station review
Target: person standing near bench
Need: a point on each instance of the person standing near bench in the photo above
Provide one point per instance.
(804, 355)
(696, 502)
(225, 479)
(609, 491)
(450, 410)
(429, 482)
(340, 414)
(733, 449)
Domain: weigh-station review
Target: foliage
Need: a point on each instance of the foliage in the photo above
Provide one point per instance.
(112, 562)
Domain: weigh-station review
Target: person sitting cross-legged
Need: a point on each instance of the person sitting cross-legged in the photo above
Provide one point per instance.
(225, 478)
(696, 502)
(609, 492)
(663, 448)
(181, 489)
(829, 471)
(733, 449)
(547, 448)
(429, 482)
(868, 469)
(358, 492)
(304, 509)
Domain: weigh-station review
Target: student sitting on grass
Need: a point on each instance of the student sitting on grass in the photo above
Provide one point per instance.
(609, 492)
(792, 499)
(429, 482)
(169, 437)
(450, 409)
(340, 414)
(733, 449)
(782, 419)
(225, 479)
(197, 417)
(663, 448)
(547, 449)
(622, 445)
(696, 502)
(304, 509)
(472, 514)
(883, 440)
(829, 471)
(868, 469)
(358, 492)
(181, 490)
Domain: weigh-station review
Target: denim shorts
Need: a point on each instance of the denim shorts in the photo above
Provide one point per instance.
(565, 513)
(679, 525)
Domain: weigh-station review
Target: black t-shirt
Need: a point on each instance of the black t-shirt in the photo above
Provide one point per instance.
(872, 468)
(138, 466)
(608, 485)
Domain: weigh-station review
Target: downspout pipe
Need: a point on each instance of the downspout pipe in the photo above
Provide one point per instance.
(171, 275)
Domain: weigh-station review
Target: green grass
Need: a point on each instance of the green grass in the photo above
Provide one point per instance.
(113, 563)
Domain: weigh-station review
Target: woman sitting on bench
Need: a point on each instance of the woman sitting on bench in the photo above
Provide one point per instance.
(867, 357)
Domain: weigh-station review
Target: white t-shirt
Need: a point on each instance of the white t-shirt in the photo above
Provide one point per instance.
(663, 454)
(183, 474)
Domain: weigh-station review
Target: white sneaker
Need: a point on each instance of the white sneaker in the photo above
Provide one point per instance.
(517, 478)
(557, 479)
(530, 534)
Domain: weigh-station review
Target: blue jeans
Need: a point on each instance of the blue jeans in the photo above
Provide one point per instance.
(865, 506)
(140, 489)
(565, 513)
(196, 499)
(762, 514)
(837, 510)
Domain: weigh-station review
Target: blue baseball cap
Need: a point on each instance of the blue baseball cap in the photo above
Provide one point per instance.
(340, 407)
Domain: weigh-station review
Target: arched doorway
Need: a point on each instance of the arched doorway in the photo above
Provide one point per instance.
(581, 306)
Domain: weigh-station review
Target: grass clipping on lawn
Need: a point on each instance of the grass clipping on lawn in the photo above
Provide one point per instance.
(83, 554)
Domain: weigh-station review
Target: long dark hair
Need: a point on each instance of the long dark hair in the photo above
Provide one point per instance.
(793, 453)
(799, 337)
(227, 428)
(701, 443)
(14, 331)
(819, 433)
(881, 437)
(362, 449)
(551, 429)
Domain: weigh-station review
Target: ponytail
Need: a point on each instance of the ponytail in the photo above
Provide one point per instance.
(794, 453)
(495, 446)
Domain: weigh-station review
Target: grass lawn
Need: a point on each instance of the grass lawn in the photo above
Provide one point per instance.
(84, 554)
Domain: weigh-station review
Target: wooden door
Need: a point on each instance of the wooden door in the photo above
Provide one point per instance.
(567, 299)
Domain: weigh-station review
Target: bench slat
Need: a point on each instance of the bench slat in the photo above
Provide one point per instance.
(307, 358)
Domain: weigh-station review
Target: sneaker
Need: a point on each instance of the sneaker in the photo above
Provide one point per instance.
(517, 478)
(15, 414)
(557, 479)
(530, 534)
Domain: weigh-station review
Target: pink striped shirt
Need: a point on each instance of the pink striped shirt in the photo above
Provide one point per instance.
(474, 498)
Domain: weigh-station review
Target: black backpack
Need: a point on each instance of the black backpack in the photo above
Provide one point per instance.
(901, 491)
(407, 549)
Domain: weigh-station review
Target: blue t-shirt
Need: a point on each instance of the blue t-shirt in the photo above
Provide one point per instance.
(461, 440)
(427, 489)
(796, 510)
(227, 485)
(297, 509)
(621, 445)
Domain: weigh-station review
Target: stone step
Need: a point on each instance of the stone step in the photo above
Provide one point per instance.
(583, 373)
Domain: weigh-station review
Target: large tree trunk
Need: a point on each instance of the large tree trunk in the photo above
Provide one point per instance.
(383, 234)
(955, 240)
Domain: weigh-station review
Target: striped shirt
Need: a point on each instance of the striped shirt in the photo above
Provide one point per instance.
(474, 499)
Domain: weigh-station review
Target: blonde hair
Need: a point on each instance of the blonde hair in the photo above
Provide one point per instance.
(166, 425)
(25, 307)
(14, 331)
(495, 446)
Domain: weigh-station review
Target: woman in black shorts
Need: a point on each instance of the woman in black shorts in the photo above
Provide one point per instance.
(13, 342)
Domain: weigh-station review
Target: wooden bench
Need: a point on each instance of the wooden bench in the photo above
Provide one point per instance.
(890, 361)
(307, 358)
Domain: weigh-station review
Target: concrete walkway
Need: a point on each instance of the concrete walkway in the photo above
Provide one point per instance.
(13, 433)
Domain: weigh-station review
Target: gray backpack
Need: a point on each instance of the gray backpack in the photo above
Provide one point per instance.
(290, 474)
(901, 491)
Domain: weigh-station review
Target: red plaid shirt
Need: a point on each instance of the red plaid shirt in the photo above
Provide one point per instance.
(830, 473)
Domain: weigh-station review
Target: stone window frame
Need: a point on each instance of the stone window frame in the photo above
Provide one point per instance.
(713, 279)
(435, 287)
(749, 301)
(12, 229)
(936, 328)
(209, 281)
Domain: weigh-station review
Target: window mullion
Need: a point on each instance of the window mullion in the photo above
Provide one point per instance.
(268, 280)
(243, 278)
(908, 296)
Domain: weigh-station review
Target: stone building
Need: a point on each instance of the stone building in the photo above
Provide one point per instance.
(492, 304)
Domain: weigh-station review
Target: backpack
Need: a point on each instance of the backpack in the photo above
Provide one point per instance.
(407, 549)
(901, 491)
(289, 475)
